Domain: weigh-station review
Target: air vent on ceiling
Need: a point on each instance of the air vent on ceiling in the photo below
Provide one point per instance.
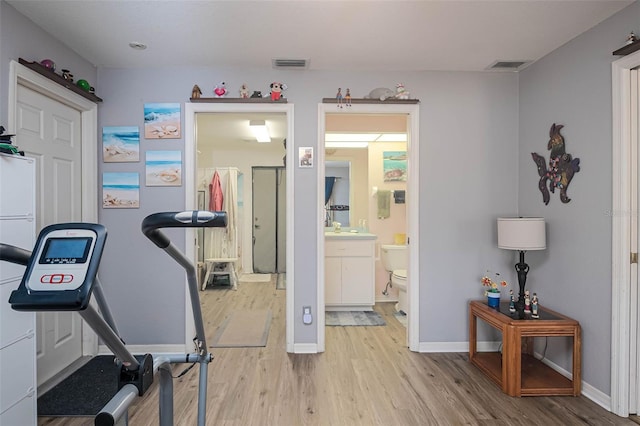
(295, 64)
(507, 65)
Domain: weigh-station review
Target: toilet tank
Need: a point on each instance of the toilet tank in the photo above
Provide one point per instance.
(394, 257)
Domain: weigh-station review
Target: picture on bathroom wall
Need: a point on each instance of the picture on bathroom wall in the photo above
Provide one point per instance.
(163, 168)
(162, 121)
(120, 190)
(121, 144)
(394, 166)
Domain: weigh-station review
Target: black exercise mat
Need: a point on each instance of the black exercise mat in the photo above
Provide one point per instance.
(85, 392)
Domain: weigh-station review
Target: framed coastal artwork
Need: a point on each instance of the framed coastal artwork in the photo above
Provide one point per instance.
(162, 121)
(163, 168)
(120, 190)
(394, 166)
(121, 144)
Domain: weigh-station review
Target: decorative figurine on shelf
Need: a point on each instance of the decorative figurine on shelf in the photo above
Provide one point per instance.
(48, 64)
(220, 90)
(631, 38)
(347, 98)
(83, 84)
(401, 92)
(512, 301)
(256, 94)
(527, 302)
(534, 306)
(66, 74)
(381, 93)
(276, 90)
(244, 91)
(339, 97)
(196, 92)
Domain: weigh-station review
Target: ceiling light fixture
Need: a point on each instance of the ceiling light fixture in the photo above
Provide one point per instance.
(260, 130)
(136, 45)
(392, 137)
(346, 144)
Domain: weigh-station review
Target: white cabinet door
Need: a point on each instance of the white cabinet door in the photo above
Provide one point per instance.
(357, 281)
(332, 280)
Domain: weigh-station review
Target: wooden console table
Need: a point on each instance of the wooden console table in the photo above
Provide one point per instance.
(516, 370)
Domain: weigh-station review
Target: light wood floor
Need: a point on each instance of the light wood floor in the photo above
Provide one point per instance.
(366, 377)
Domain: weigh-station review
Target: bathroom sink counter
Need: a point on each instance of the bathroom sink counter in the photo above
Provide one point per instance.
(347, 235)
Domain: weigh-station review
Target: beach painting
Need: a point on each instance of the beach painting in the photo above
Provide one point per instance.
(394, 165)
(121, 144)
(162, 121)
(164, 168)
(120, 190)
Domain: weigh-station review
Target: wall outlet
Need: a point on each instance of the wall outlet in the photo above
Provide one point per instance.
(306, 315)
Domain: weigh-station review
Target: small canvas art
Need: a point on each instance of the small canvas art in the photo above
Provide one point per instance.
(162, 121)
(305, 156)
(120, 190)
(164, 168)
(394, 166)
(121, 144)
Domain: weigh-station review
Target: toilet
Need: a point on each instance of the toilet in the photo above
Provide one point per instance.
(395, 260)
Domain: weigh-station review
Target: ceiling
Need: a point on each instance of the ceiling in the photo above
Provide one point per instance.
(391, 35)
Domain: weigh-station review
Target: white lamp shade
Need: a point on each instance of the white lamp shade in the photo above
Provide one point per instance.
(522, 233)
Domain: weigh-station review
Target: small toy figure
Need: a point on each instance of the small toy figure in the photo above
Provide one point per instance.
(527, 302)
(221, 90)
(66, 74)
(339, 97)
(276, 90)
(512, 301)
(381, 93)
(401, 92)
(631, 38)
(534, 306)
(256, 94)
(244, 91)
(347, 98)
(196, 92)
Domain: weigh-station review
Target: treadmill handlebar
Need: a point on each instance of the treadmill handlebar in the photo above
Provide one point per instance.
(187, 219)
(14, 254)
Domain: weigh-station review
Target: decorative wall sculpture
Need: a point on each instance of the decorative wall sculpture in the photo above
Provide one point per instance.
(561, 169)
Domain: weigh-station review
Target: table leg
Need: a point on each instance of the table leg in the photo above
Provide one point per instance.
(511, 361)
(473, 333)
(577, 347)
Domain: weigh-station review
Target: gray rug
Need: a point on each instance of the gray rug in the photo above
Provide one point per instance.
(356, 318)
(244, 329)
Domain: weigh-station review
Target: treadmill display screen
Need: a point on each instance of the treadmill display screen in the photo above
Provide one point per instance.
(65, 250)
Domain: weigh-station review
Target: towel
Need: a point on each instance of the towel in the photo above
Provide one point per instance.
(215, 193)
(384, 204)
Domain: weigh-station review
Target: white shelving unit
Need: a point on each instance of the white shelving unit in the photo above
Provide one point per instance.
(17, 329)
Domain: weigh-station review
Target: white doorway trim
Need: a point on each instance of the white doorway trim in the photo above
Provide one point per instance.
(413, 203)
(191, 109)
(19, 75)
(621, 233)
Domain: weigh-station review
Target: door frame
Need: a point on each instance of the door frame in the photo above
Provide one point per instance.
(413, 203)
(19, 75)
(191, 109)
(621, 316)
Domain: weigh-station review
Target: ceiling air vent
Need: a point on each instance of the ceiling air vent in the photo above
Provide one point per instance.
(291, 64)
(507, 65)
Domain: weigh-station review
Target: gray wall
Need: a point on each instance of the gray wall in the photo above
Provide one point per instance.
(572, 86)
(468, 141)
(21, 38)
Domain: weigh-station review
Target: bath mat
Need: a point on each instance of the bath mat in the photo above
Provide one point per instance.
(349, 318)
(243, 329)
(281, 282)
(255, 278)
(402, 318)
(84, 392)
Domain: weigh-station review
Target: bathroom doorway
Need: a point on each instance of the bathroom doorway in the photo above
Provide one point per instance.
(218, 135)
(361, 121)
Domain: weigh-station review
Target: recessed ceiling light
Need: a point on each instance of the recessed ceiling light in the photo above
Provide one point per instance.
(136, 45)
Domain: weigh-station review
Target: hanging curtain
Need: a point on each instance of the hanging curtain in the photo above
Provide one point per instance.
(329, 181)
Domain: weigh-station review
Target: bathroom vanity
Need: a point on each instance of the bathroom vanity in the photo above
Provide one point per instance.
(349, 271)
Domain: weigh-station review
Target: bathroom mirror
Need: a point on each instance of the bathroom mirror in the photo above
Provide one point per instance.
(337, 192)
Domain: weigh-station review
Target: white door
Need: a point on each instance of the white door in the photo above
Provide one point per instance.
(50, 132)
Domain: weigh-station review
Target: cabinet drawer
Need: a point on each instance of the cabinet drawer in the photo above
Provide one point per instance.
(17, 369)
(17, 198)
(13, 324)
(19, 233)
(348, 248)
(23, 413)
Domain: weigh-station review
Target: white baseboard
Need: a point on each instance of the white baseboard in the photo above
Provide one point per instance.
(305, 348)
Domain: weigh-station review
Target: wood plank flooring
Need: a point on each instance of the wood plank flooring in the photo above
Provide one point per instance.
(367, 376)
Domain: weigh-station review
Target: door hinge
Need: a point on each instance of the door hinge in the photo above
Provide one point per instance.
(634, 258)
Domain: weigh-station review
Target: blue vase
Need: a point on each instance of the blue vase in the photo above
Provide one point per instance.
(493, 300)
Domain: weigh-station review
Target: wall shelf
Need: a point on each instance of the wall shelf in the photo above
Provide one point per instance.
(266, 100)
(629, 48)
(371, 101)
(46, 72)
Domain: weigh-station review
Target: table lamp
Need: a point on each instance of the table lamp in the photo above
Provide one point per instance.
(522, 234)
